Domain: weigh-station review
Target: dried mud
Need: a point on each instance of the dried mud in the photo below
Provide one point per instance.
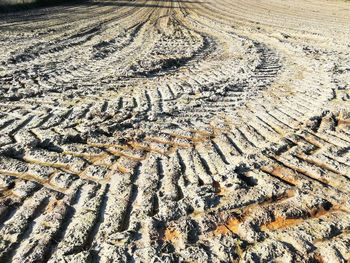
(176, 131)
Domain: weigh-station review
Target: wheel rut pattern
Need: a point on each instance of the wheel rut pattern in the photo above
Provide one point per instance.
(175, 131)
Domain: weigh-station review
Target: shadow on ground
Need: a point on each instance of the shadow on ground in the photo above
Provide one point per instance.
(48, 3)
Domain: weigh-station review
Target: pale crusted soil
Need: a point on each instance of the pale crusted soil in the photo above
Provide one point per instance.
(176, 131)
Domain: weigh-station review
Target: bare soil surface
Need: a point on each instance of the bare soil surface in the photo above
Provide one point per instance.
(176, 131)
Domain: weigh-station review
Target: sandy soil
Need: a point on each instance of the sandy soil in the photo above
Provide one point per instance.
(176, 131)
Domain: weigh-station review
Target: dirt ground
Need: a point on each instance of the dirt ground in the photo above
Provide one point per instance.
(15, 2)
(176, 131)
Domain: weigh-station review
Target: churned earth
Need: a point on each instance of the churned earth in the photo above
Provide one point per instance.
(176, 131)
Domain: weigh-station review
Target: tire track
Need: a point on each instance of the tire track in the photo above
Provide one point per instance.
(175, 131)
